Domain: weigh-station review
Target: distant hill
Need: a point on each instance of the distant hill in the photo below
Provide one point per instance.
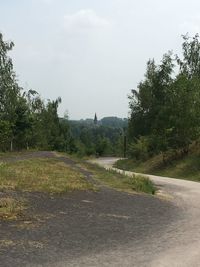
(113, 122)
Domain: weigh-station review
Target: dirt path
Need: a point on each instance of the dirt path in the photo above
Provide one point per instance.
(103, 228)
(181, 244)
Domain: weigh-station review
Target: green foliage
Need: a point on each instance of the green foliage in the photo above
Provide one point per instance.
(190, 64)
(120, 180)
(82, 150)
(165, 108)
(114, 122)
(25, 119)
(111, 122)
(5, 135)
(175, 165)
(143, 184)
(9, 94)
(139, 149)
(103, 146)
(96, 140)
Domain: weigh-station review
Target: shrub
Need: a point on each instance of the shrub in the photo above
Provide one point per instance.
(139, 149)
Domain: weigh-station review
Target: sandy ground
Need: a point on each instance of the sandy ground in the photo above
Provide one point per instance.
(180, 244)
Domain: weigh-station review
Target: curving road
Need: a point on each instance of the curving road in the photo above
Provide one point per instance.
(180, 243)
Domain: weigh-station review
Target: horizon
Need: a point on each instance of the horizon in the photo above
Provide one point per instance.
(97, 118)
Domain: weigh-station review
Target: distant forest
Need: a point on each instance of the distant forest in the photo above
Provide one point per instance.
(103, 137)
(113, 122)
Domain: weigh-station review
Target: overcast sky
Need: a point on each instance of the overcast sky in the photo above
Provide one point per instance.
(92, 52)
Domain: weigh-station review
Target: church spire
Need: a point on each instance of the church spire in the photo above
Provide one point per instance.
(95, 119)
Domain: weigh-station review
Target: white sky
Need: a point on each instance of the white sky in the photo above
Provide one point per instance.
(89, 52)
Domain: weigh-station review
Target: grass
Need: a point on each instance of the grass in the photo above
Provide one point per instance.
(142, 183)
(133, 165)
(10, 208)
(120, 181)
(41, 175)
(187, 168)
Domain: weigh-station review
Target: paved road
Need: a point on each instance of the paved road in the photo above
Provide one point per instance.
(105, 228)
(180, 246)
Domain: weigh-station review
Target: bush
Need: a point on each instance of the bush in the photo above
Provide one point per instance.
(80, 149)
(139, 149)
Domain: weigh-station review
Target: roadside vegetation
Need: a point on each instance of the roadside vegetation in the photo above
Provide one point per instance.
(120, 181)
(187, 167)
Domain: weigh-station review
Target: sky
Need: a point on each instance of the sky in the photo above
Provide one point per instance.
(92, 53)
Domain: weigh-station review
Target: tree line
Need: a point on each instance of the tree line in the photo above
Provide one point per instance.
(165, 107)
(92, 139)
(27, 121)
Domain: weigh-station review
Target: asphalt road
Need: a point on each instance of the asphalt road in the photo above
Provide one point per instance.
(180, 244)
(105, 228)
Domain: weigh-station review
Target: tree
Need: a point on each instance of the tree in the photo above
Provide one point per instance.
(184, 112)
(25, 119)
(5, 135)
(190, 63)
(149, 104)
(9, 89)
(165, 110)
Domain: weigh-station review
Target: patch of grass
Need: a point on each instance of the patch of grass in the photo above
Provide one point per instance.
(143, 184)
(42, 175)
(121, 181)
(126, 165)
(186, 168)
(10, 208)
(147, 166)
